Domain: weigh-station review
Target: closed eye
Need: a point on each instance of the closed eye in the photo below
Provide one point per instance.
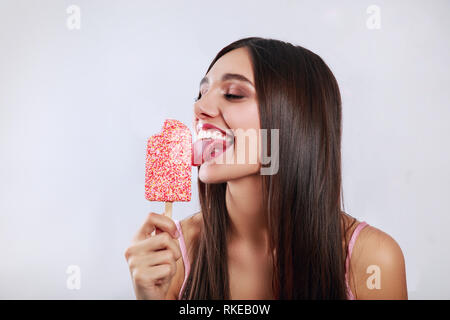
(232, 96)
(227, 95)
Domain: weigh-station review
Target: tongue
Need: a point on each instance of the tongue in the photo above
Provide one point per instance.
(200, 151)
(197, 151)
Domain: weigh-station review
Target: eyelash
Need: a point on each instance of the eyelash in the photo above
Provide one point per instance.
(227, 95)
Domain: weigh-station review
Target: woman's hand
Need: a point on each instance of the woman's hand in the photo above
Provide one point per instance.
(152, 259)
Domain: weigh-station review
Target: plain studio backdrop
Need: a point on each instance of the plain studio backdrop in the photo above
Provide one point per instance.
(78, 104)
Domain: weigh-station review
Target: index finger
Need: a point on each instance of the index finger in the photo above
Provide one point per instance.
(153, 221)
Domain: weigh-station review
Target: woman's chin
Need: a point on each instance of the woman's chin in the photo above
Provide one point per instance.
(211, 172)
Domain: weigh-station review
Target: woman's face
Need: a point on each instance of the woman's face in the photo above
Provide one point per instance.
(228, 101)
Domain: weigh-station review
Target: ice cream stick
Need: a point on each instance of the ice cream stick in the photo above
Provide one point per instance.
(168, 210)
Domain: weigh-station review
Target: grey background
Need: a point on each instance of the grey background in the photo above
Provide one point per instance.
(76, 108)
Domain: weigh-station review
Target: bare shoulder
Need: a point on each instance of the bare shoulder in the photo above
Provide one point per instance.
(377, 266)
(191, 227)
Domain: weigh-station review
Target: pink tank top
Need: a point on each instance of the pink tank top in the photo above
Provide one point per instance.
(187, 264)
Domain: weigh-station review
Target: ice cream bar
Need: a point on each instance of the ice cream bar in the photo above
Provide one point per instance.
(168, 164)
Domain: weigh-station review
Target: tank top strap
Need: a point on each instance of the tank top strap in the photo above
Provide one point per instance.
(351, 244)
(184, 254)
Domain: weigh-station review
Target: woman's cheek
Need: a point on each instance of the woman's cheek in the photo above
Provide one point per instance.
(242, 116)
(244, 120)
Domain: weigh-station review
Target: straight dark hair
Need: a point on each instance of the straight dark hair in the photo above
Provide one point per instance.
(297, 94)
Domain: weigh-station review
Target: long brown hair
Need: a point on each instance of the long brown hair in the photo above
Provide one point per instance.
(298, 94)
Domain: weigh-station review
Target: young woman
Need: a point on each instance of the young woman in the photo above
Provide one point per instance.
(271, 236)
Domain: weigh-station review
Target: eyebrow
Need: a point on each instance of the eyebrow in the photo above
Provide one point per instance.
(229, 76)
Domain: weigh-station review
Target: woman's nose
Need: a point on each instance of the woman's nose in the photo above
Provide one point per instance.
(207, 106)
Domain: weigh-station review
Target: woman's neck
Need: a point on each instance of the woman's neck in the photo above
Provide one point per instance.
(245, 210)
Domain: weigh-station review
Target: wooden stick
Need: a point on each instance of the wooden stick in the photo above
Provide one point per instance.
(168, 211)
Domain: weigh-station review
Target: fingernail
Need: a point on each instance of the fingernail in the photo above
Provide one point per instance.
(176, 234)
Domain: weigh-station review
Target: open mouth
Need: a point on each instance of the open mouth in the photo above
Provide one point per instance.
(211, 142)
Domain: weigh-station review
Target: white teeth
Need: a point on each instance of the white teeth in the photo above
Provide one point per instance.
(210, 134)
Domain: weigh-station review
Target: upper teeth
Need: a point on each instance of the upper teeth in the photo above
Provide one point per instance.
(211, 134)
